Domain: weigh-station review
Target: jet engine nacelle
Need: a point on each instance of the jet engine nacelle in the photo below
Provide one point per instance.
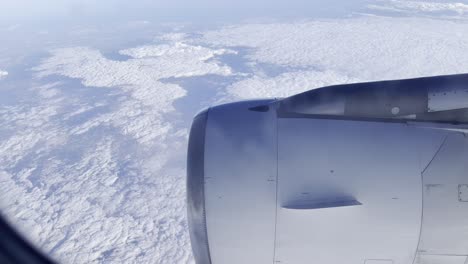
(368, 173)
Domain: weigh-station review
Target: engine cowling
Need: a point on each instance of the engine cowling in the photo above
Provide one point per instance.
(369, 173)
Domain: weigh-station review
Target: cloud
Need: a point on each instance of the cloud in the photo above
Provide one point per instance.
(284, 85)
(366, 48)
(181, 52)
(3, 74)
(97, 210)
(421, 7)
(173, 37)
(148, 98)
(90, 175)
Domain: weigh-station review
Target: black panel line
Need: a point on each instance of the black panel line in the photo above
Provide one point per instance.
(276, 204)
(422, 198)
(437, 152)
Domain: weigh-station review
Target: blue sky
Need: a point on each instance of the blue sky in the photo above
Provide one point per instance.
(24, 10)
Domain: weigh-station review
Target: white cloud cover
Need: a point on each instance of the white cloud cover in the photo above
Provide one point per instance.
(366, 48)
(421, 6)
(182, 53)
(174, 36)
(3, 74)
(284, 85)
(139, 115)
(92, 186)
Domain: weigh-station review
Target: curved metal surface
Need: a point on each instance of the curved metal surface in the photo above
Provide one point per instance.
(240, 182)
(444, 233)
(196, 191)
(302, 178)
(377, 164)
(434, 99)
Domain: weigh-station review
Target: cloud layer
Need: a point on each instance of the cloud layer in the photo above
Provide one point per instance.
(421, 7)
(3, 74)
(88, 175)
(367, 48)
(284, 85)
(147, 98)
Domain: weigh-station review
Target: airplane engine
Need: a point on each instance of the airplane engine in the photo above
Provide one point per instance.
(366, 173)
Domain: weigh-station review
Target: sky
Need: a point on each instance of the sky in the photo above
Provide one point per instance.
(27, 10)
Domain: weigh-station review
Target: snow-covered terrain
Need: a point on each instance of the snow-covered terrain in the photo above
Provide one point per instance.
(92, 146)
